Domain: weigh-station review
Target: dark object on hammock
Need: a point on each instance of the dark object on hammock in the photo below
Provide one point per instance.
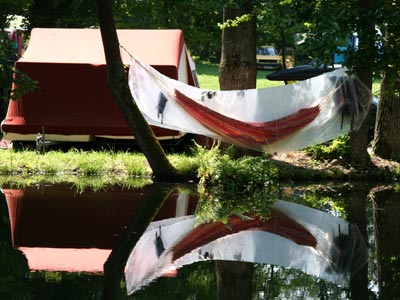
(162, 101)
(210, 94)
(345, 98)
(159, 243)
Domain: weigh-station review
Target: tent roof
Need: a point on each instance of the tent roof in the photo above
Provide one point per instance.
(62, 45)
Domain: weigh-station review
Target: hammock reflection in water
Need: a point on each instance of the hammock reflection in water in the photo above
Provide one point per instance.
(293, 236)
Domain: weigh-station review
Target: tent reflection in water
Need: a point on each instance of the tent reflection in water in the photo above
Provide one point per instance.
(293, 236)
(60, 229)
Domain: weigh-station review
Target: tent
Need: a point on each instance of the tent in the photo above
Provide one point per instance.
(73, 102)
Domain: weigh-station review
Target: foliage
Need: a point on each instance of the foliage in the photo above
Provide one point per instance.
(235, 22)
(12, 86)
(276, 24)
(338, 148)
(197, 19)
(6, 68)
(275, 282)
(387, 16)
(217, 205)
(329, 199)
(62, 14)
(234, 187)
(10, 8)
(24, 84)
(220, 170)
(186, 164)
(323, 30)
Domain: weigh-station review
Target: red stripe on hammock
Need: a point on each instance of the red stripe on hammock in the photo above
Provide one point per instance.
(279, 224)
(251, 133)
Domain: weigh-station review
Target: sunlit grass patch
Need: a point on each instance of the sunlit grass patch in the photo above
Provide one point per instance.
(208, 77)
(87, 163)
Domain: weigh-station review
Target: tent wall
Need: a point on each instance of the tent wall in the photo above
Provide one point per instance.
(73, 102)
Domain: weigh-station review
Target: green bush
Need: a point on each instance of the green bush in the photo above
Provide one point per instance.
(337, 148)
(241, 175)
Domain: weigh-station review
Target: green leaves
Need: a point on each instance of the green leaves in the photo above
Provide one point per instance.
(24, 84)
(235, 22)
(243, 175)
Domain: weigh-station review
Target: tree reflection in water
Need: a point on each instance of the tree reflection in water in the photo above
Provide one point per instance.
(386, 208)
(207, 280)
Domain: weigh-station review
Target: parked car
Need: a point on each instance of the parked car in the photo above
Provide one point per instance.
(268, 58)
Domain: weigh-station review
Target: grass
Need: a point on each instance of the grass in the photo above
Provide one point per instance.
(208, 77)
(88, 163)
(210, 168)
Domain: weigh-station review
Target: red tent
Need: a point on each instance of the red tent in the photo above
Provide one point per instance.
(73, 102)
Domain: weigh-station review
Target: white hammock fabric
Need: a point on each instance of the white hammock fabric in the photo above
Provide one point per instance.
(294, 236)
(278, 119)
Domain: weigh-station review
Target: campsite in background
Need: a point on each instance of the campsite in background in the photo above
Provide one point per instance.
(84, 214)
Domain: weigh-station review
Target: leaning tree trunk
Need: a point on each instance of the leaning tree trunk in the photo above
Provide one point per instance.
(115, 265)
(118, 83)
(387, 130)
(237, 68)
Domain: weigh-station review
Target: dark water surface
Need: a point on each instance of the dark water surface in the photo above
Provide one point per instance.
(304, 242)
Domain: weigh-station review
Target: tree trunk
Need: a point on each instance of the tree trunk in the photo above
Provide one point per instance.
(237, 68)
(387, 242)
(237, 71)
(356, 211)
(234, 280)
(118, 83)
(238, 58)
(387, 130)
(358, 154)
(115, 265)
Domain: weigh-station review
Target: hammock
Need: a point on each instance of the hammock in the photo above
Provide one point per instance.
(279, 119)
(293, 236)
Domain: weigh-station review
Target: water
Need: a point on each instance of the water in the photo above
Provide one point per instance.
(316, 242)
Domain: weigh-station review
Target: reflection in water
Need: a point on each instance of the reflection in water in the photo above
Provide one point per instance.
(293, 236)
(55, 240)
(59, 229)
(386, 202)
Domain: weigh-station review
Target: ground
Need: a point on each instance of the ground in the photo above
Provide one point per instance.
(302, 160)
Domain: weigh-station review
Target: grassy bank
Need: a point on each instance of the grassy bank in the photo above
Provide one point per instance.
(209, 167)
(86, 163)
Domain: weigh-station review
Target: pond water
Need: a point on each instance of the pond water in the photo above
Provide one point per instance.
(295, 242)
